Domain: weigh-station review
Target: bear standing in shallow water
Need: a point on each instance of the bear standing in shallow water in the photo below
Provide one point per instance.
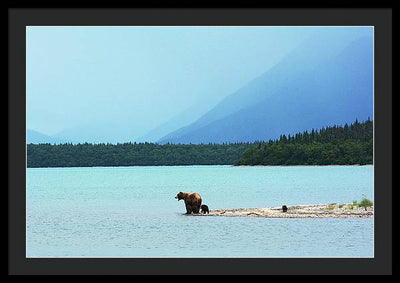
(192, 201)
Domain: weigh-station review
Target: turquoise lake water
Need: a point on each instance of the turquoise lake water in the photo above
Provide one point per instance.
(131, 212)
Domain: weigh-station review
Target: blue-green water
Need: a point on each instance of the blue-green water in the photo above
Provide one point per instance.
(131, 212)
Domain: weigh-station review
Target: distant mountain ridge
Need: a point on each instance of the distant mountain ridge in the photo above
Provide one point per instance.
(178, 121)
(36, 137)
(308, 89)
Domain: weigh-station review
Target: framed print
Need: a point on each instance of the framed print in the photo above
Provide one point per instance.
(159, 141)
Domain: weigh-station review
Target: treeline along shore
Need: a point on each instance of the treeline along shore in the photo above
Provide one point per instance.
(133, 154)
(335, 145)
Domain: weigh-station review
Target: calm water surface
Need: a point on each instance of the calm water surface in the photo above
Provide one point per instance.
(131, 212)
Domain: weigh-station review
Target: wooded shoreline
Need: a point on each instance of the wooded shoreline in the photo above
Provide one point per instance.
(336, 145)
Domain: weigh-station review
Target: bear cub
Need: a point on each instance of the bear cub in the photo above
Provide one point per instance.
(204, 209)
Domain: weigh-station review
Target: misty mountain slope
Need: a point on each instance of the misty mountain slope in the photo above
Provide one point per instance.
(37, 137)
(184, 118)
(302, 59)
(337, 90)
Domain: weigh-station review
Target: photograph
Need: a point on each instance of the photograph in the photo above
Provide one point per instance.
(200, 141)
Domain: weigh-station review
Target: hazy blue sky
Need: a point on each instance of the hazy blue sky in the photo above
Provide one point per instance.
(121, 82)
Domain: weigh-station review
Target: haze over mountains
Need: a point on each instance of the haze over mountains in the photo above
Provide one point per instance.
(313, 87)
(182, 119)
(37, 137)
(326, 80)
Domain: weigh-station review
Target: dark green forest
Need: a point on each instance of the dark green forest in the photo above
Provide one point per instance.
(132, 154)
(339, 145)
(335, 145)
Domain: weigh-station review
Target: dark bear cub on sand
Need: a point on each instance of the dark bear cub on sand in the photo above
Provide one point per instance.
(204, 209)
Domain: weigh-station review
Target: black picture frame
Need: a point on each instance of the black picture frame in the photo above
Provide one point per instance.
(380, 18)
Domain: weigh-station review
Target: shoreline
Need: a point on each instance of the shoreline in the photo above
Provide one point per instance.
(334, 210)
(194, 165)
(304, 165)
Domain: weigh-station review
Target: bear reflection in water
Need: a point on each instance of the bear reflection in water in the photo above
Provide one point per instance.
(192, 201)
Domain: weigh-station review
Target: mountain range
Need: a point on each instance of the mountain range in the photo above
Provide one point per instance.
(310, 88)
(36, 137)
(324, 81)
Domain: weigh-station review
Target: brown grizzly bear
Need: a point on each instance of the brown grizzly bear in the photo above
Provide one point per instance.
(192, 201)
